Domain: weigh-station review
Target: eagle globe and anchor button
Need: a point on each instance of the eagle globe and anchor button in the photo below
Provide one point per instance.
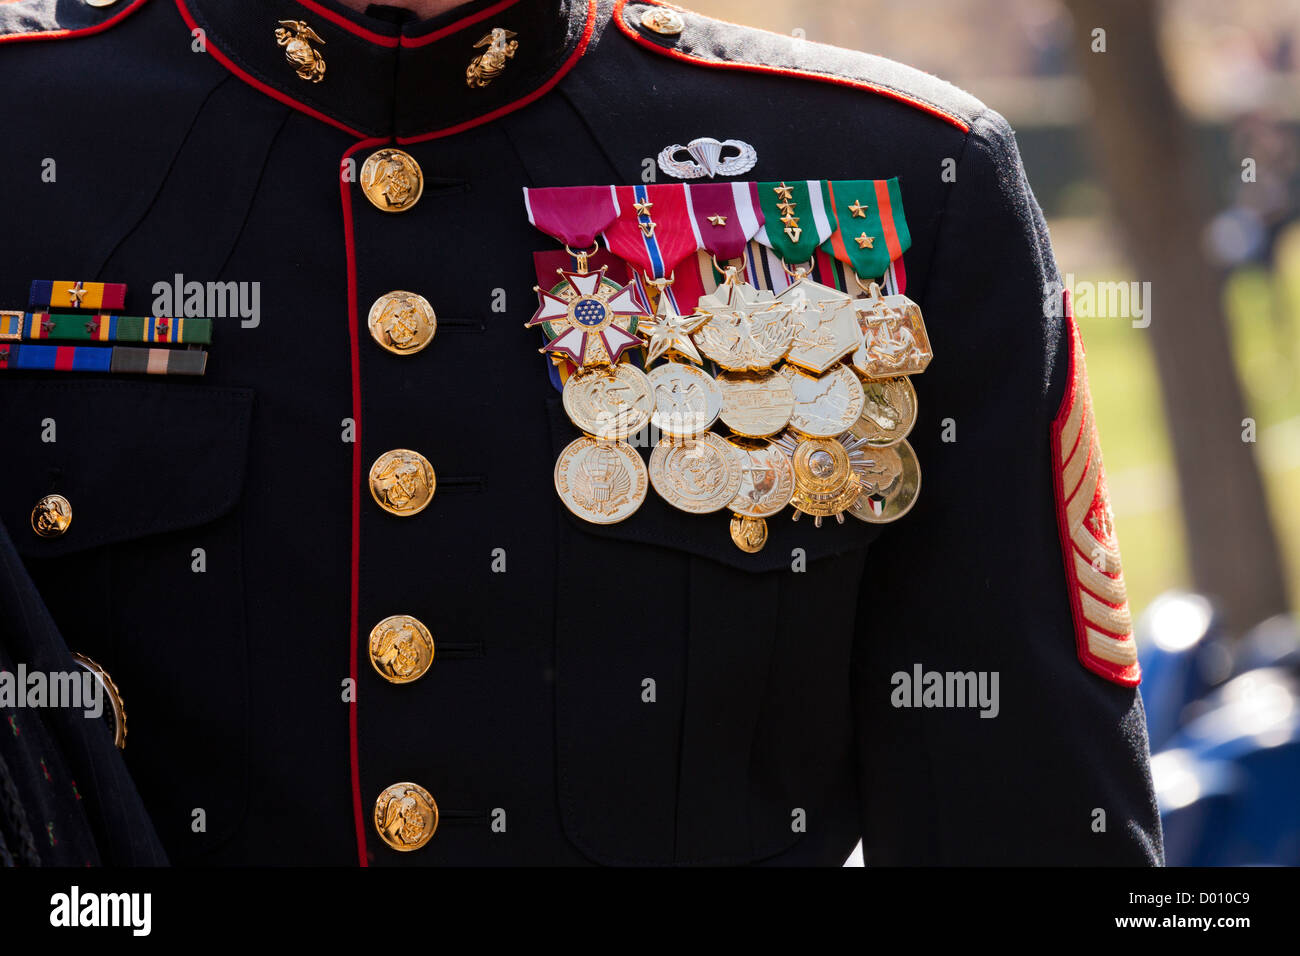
(402, 322)
(402, 482)
(401, 649)
(406, 816)
(392, 180)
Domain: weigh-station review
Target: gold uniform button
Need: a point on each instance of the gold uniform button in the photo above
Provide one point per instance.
(391, 180)
(51, 516)
(402, 322)
(99, 3)
(663, 21)
(406, 816)
(402, 482)
(401, 649)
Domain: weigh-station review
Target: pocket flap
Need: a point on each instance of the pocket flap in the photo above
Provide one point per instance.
(132, 458)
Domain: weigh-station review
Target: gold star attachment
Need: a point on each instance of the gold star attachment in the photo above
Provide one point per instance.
(643, 208)
(786, 208)
(859, 210)
(718, 220)
(75, 295)
(669, 331)
(864, 241)
(783, 192)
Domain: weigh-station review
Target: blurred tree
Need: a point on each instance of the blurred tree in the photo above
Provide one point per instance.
(1162, 204)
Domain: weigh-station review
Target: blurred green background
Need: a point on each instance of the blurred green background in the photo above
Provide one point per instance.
(1233, 69)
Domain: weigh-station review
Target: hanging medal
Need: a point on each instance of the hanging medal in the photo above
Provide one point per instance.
(870, 237)
(591, 321)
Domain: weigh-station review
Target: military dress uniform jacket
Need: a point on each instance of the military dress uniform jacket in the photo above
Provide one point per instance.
(637, 693)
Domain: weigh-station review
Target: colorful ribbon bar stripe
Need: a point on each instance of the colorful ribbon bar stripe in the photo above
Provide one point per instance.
(77, 295)
(91, 358)
(35, 326)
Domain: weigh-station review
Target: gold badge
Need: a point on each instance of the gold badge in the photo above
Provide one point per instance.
(489, 64)
(392, 180)
(824, 405)
(699, 475)
(891, 481)
(297, 39)
(601, 481)
(826, 325)
(888, 410)
(687, 400)
(402, 482)
(51, 516)
(661, 20)
(610, 401)
(406, 816)
(402, 322)
(825, 475)
(401, 649)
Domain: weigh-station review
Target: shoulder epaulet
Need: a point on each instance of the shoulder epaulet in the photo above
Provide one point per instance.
(59, 19)
(704, 41)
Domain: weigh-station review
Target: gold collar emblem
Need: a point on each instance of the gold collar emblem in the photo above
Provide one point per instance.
(489, 64)
(297, 39)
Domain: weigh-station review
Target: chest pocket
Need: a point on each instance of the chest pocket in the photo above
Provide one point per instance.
(147, 577)
(702, 693)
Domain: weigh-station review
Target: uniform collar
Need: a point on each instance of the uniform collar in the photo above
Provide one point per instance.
(408, 81)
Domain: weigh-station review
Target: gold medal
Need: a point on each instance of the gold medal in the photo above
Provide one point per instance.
(747, 329)
(699, 475)
(609, 402)
(825, 405)
(748, 534)
(894, 340)
(601, 481)
(825, 475)
(888, 410)
(890, 484)
(687, 400)
(827, 324)
(755, 405)
(767, 479)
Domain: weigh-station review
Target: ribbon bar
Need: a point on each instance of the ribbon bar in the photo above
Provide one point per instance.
(48, 293)
(92, 358)
(37, 326)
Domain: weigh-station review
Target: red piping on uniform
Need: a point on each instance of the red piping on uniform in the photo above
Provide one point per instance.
(784, 71)
(256, 83)
(523, 100)
(354, 587)
(84, 31)
(1127, 675)
(354, 28)
(460, 24)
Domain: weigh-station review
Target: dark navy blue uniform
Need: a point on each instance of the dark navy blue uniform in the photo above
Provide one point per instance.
(186, 144)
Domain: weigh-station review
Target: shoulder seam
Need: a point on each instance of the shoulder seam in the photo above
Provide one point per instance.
(103, 25)
(880, 89)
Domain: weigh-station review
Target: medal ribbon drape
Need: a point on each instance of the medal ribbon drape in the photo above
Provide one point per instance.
(870, 229)
(724, 216)
(575, 215)
(653, 232)
(796, 220)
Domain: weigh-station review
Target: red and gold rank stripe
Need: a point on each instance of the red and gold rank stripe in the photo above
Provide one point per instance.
(1094, 573)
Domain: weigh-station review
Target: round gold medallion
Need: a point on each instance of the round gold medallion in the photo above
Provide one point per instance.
(661, 20)
(824, 479)
(748, 534)
(767, 479)
(601, 481)
(687, 399)
(406, 816)
(402, 482)
(51, 516)
(402, 322)
(755, 405)
(611, 401)
(401, 649)
(392, 180)
(888, 410)
(890, 484)
(699, 475)
(824, 405)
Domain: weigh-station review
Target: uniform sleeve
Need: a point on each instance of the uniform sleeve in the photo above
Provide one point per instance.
(997, 715)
